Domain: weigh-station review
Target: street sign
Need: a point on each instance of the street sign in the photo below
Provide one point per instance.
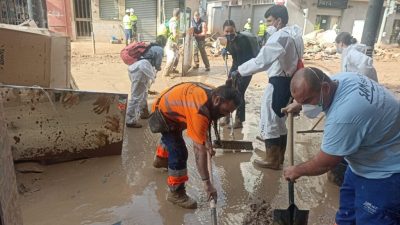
(337, 4)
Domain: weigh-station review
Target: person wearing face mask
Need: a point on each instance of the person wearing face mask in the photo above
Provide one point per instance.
(242, 48)
(362, 126)
(190, 106)
(354, 58)
(280, 57)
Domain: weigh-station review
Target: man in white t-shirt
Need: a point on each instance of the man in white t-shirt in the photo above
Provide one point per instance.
(362, 126)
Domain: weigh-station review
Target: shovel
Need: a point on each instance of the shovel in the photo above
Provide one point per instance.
(213, 208)
(231, 145)
(312, 130)
(291, 215)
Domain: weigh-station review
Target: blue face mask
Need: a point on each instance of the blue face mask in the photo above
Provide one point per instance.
(230, 37)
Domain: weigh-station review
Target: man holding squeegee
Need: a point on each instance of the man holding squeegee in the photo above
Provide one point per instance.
(280, 57)
(362, 126)
(190, 106)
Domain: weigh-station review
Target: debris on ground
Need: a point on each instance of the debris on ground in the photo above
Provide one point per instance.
(260, 213)
(319, 45)
(386, 53)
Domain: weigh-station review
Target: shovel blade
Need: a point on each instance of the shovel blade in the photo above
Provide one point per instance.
(239, 145)
(290, 216)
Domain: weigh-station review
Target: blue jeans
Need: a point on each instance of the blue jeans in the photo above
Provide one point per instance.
(128, 35)
(369, 201)
(177, 159)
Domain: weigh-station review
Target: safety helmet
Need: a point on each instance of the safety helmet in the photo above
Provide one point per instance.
(131, 10)
(249, 20)
(261, 21)
(127, 11)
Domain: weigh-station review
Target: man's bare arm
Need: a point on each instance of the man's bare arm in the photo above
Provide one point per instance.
(320, 164)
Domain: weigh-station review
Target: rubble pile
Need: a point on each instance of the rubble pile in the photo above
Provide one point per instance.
(386, 54)
(319, 45)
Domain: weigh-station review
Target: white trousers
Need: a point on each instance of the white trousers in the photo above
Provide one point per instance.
(271, 125)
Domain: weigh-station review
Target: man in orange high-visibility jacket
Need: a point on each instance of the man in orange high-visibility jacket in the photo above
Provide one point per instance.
(191, 106)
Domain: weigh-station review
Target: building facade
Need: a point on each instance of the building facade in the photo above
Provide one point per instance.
(103, 18)
(345, 15)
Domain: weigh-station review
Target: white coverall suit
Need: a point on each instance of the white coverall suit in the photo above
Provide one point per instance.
(354, 59)
(142, 73)
(278, 57)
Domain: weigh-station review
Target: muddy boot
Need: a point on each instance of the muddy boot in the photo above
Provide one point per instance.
(237, 124)
(134, 125)
(196, 66)
(144, 114)
(225, 121)
(272, 156)
(181, 199)
(160, 162)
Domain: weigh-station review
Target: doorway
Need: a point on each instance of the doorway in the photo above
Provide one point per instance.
(323, 22)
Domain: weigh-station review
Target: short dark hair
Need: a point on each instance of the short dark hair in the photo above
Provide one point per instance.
(228, 93)
(228, 23)
(345, 38)
(278, 11)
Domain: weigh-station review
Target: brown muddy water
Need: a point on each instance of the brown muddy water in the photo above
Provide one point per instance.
(127, 190)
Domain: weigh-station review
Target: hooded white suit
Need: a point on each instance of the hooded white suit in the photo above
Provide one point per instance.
(278, 57)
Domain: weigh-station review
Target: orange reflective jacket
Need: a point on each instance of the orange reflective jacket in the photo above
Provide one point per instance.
(186, 106)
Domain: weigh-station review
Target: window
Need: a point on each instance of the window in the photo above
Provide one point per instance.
(108, 9)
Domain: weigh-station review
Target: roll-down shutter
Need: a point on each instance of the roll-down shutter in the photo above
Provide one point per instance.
(146, 11)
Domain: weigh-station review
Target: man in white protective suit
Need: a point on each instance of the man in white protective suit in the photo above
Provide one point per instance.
(142, 73)
(280, 57)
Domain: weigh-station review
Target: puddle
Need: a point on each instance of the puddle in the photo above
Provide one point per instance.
(127, 190)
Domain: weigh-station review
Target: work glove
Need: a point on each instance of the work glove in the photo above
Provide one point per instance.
(235, 77)
(224, 53)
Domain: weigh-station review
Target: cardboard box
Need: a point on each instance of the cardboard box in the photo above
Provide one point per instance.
(33, 56)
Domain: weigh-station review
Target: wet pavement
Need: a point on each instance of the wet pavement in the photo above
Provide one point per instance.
(127, 189)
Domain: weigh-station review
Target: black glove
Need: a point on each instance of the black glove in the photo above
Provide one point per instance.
(234, 75)
(233, 78)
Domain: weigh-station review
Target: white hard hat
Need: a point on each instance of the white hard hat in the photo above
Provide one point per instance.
(131, 10)
(127, 11)
(261, 21)
(248, 20)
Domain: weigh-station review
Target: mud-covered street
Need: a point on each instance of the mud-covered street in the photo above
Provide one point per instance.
(127, 189)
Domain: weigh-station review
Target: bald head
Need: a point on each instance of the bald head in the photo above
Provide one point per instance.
(307, 83)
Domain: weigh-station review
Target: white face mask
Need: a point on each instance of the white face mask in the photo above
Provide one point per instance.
(339, 50)
(312, 111)
(271, 30)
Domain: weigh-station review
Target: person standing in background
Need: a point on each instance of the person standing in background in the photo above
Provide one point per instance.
(354, 58)
(240, 47)
(133, 18)
(262, 29)
(247, 26)
(200, 32)
(126, 23)
(172, 48)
